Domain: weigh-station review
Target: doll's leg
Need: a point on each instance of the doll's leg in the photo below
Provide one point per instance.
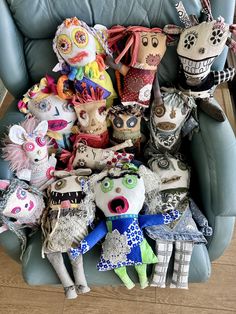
(163, 251)
(57, 262)
(212, 109)
(79, 275)
(183, 253)
(124, 277)
(142, 275)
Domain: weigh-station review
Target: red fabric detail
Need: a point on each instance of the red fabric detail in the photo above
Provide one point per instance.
(94, 140)
(49, 172)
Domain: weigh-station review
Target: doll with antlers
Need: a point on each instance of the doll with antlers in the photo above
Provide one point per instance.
(199, 44)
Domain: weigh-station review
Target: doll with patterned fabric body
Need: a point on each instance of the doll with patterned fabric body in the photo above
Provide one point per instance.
(199, 45)
(70, 212)
(181, 235)
(120, 195)
(80, 49)
(147, 47)
(26, 148)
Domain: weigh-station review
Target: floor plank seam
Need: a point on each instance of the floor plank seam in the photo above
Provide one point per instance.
(121, 299)
(199, 307)
(26, 288)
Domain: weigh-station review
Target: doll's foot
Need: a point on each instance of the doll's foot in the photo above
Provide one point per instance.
(82, 289)
(70, 292)
(212, 110)
(174, 286)
(144, 285)
(158, 285)
(130, 285)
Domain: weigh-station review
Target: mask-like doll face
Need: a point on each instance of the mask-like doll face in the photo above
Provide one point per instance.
(152, 47)
(76, 45)
(125, 123)
(173, 172)
(58, 112)
(36, 149)
(87, 157)
(199, 45)
(21, 204)
(120, 195)
(92, 117)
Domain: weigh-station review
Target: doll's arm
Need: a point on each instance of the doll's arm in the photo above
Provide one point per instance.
(223, 76)
(122, 68)
(158, 219)
(200, 219)
(157, 92)
(90, 240)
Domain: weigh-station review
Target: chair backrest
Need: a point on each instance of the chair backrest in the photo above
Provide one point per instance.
(28, 27)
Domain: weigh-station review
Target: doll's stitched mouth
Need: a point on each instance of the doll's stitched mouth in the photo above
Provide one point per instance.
(196, 66)
(118, 205)
(153, 60)
(170, 180)
(56, 125)
(73, 197)
(78, 57)
(166, 126)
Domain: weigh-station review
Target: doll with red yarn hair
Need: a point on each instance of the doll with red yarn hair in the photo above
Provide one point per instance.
(144, 48)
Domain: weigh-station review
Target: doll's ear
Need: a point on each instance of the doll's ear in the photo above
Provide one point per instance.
(42, 128)
(4, 184)
(17, 134)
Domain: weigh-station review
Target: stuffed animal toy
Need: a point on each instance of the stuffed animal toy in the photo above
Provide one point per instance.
(182, 234)
(147, 47)
(78, 48)
(84, 156)
(199, 45)
(70, 212)
(26, 148)
(167, 118)
(120, 195)
(126, 124)
(43, 102)
(21, 206)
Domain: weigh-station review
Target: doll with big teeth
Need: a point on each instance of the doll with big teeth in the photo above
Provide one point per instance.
(120, 195)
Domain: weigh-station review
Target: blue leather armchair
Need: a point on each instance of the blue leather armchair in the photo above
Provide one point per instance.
(26, 32)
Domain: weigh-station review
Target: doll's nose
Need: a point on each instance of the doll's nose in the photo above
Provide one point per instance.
(93, 123)
(39, 152)
(118, 190)
(202, 50)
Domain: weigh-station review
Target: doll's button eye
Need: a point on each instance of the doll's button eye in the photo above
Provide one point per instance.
(29, 147)
(15, 210)
(41, 141)
(182, 165)
(43, 106)
(60, 184)
(107, 185)
(163, 163)
(64, 44)
(131, 122)
(160, 111)
(145, 41)
(80, 37)
(154, 42)
(68, 107)
(118, 122)
(129, 181)
(21, 194)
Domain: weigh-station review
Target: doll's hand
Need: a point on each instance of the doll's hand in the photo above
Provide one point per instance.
(171, 216)
(207, 231)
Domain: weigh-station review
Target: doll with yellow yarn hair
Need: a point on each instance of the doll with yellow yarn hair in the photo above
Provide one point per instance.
(79, 49)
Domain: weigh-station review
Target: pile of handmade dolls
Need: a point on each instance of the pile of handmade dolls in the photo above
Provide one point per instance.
(83, 148)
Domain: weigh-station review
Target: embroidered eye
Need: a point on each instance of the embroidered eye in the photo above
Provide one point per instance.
(80, 37)
(129, 181)
(182, 165)
(107, 185)
(163, 163)
(101, 114)
(21, 194)
(145, 41)
(29, 147)
(190, 40)
(83, 118)
(131, 122)
(43, 105)
(81, 163)
(60, 184)
(155, 42)
(118, 122)
(64, 44)
(216, 37)
(160, 111)
(68, 107)
(15, 210)
(41, 141)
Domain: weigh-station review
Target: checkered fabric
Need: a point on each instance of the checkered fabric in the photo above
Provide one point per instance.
(223, 76)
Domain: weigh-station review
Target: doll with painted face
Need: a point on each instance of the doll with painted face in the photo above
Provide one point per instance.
(21, 206)
(147, 47)
(180, 235)
(70, 212)
(78, 48)
(26, 149)
(43, 102)
(120, 195)
(199, 44)
(125, 125)
(167, 119)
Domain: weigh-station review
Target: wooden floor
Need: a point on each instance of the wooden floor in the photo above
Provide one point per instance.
(218, 296)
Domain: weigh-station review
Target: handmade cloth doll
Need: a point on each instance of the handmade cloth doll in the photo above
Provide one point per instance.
(70, 212)
(126, 124)
(21, 206)
(144, 48)
(26, 149)
(78, 48)
(199, 45)
(167, 119)
(43, 102)
(84, 156)
(120, 195)
(182, 234)
(91, 111)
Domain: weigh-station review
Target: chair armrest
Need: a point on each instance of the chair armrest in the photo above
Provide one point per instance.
(13, 70)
